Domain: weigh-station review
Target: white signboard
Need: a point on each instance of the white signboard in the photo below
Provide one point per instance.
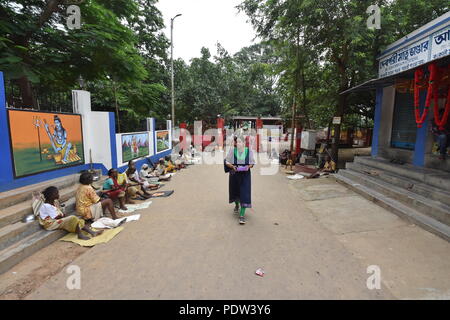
(405, 58)
(428, 48)
(440, 43)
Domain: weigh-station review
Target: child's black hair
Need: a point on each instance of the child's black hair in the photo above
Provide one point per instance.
(86, 178)
(49, 193)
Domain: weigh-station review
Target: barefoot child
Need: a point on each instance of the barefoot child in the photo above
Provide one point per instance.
(52, 218)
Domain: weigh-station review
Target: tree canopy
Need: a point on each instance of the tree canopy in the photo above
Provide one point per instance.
(311, 51)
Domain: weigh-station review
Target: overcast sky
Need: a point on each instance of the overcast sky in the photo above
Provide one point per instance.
(204, 23)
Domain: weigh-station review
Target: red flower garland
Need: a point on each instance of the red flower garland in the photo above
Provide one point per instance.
(443, 121)
(432, 84)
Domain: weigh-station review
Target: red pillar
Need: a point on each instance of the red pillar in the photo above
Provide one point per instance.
(220, 129)
(298, 141)
(259, 125)
(183, 136)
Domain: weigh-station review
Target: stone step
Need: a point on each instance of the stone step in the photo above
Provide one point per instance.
(429, 207)
(16, 212)
(15, 232)
(435, 178)
(413, 216)
(415, 186)
(23, 194)
(16, 253)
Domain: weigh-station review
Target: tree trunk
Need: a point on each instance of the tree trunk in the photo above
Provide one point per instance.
(26, 92)
(337, 127)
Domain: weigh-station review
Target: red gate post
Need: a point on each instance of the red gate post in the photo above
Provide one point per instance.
(298, 141)
(183, 128)
(220, 129)
(259, 125)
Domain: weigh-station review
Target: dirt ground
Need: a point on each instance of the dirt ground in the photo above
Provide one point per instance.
(28, 275)
(314, 238)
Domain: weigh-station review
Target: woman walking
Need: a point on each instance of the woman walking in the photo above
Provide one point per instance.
(239, 161)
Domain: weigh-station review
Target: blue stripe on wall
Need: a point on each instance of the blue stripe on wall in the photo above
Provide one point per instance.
(377, 121)
(421, 137)
(154, 135)
(112, 136)
(6, 167)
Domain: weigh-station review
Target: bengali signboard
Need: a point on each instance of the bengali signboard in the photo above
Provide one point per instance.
(405, 58)
(440, 43)
(427, 49)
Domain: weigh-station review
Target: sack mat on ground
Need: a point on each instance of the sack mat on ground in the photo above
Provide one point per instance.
(105, 237)
(160, 194)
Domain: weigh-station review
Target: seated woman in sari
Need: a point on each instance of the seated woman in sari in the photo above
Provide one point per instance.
(88, 204)
(52, 218)
(161, 168)
(150, 175)
(170, 167)
(154, 174)
(113, 190)
(186, 158)
(139, 185)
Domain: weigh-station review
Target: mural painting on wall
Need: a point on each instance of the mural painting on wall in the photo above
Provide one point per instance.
(162, 141)
(134, 146)
(43, 141)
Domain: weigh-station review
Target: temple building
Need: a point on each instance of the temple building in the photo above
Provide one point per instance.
(400, 131)
(408, 172)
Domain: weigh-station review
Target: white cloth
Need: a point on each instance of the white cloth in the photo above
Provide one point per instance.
(296, 177)
(48, 210)
(108, 223)
(144, 174)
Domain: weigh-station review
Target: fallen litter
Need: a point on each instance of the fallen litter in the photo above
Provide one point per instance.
(296, 177)
(260, 272)
(108, 223)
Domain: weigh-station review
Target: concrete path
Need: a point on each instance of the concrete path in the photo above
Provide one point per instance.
(314, 239)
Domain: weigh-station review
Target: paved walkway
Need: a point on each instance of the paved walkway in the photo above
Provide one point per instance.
(314, 239)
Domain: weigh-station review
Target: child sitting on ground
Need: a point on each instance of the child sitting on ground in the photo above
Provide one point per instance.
(52, 218)
(88, 204)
